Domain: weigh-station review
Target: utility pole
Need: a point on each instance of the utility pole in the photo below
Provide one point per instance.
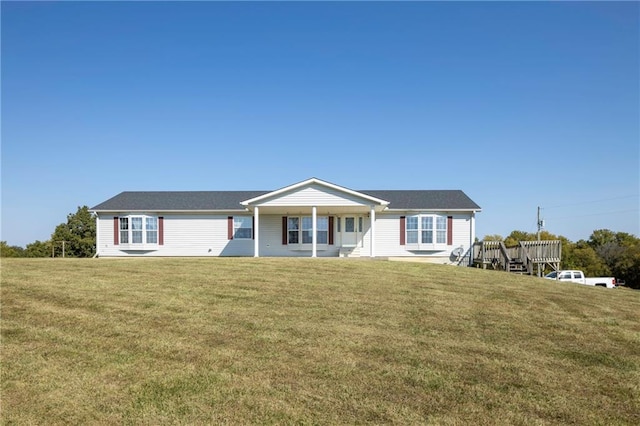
(540, 223)
(53, 245)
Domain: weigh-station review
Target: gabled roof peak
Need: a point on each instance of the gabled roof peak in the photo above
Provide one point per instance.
(316, 181)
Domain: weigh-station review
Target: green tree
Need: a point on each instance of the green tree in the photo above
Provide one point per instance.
(620, 251)
(38, 249)
(607, 245)
(514, 238)
(627, 266)
(79, 234)
(10, 251)
(582, 256)
(601, 237)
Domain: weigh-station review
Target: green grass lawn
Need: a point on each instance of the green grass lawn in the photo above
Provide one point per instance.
(311, 341)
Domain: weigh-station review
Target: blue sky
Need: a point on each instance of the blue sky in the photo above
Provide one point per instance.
(519, 104)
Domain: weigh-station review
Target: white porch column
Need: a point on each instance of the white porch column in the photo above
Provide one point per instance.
(256, 234)
(472, 236)
(97, 235)
(314, 232)
(372, 244)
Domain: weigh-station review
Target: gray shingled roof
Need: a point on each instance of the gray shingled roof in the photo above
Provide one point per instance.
(177, 201)
(230, 200)
(425, 199)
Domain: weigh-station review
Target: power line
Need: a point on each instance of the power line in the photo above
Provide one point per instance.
(596, 214)
(593, 201)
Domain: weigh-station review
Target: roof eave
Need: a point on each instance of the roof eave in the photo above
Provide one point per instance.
(170, 211)
(440, 209)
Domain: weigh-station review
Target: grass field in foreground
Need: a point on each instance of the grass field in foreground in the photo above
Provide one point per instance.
(310, 341)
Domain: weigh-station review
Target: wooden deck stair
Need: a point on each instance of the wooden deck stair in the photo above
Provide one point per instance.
(521, 259)
(517, 266)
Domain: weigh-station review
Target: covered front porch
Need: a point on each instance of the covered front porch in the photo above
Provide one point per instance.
(314, 232)
(316, 216)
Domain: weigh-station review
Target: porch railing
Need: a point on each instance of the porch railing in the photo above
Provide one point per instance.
(521, 258)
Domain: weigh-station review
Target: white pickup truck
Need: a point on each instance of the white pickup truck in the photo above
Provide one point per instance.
(578, 277)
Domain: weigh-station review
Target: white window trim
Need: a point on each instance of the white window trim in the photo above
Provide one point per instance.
(300, 246)
(144, 245)
(421, 246)
(236, 226)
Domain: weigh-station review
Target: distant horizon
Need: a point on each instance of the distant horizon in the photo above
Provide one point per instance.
(518, 104)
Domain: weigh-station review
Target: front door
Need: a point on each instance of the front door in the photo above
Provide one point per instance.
(349, 234)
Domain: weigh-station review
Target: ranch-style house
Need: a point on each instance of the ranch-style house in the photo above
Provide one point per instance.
(312, 218)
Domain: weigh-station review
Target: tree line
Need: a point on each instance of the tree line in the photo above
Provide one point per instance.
(605, 253)
(77, 237)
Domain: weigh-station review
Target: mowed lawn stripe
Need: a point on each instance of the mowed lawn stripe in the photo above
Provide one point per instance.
(311, 341)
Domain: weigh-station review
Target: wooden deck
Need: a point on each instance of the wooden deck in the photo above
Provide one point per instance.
(522, 259)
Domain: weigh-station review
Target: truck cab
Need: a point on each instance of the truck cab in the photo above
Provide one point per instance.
(573, 276)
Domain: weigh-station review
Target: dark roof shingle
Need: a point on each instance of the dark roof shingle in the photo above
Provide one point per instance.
(177, 200)
(230, 200)
(425, 199)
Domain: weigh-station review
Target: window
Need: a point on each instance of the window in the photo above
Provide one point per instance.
(124, 230)
(412, 230)
(304, 225)
(293, 227)
(152, 230)
(349, 224)
(138, 230)
(426, 229)
(306, 230)
(441, 229)
(242, 227)
(322, 231)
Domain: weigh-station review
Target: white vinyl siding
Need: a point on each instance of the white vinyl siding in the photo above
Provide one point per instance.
(315, 195)
(207, 235)
(184, 235)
